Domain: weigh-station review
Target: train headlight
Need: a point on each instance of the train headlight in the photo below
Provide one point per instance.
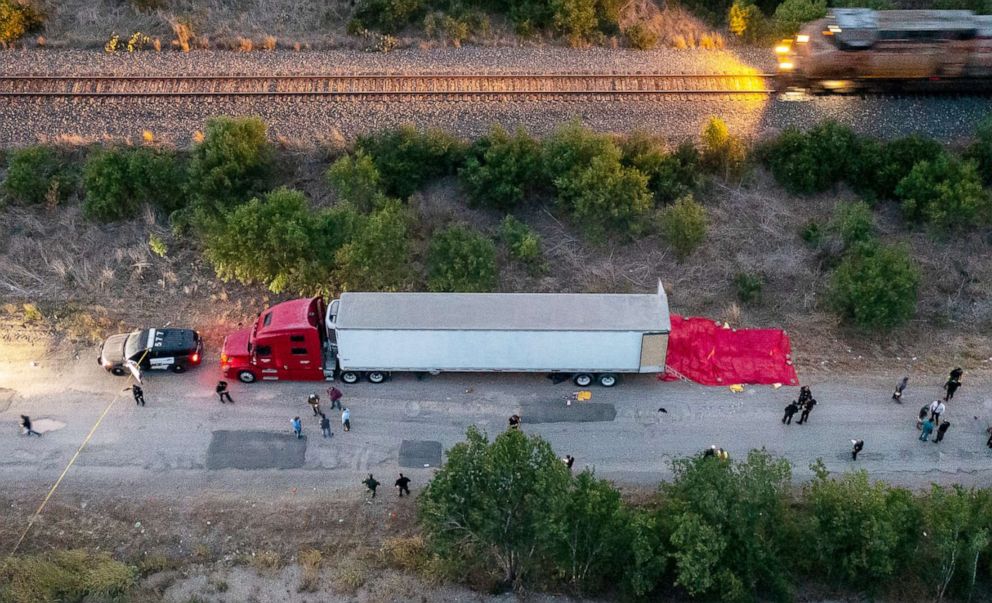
(782, 49)
(802, 38)
(786, 66)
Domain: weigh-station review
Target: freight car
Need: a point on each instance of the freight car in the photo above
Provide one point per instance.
(859, 48)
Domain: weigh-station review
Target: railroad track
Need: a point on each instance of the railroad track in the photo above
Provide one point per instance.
(441, 86)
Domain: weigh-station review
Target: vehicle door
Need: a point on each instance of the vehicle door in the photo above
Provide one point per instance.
(263, 358)
(302, 360)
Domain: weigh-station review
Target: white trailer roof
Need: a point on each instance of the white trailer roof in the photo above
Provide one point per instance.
(505, 311)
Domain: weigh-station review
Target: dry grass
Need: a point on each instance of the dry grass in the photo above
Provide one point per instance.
(675, 27)
(309, 560)
(351, 573)
(266, 561)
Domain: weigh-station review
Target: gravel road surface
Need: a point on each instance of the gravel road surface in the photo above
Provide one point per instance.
(310, 120)
(168, 447)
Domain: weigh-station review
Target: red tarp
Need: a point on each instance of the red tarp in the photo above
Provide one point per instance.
(703, 351)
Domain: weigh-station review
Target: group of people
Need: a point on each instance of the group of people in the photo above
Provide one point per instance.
(805, 402)
(929, 419)
(313, 400)
(402, 485)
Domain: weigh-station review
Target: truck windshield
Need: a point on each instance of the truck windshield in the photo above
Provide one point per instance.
(135, 344)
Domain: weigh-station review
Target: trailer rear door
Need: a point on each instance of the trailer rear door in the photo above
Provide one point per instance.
(654, 346)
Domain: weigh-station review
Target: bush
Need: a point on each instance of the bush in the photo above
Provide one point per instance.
(73, 575)
(501, 169)
(459, 259)
(881, 169)
(684, 225)
(854, 223)
(670, 175)
(575, 19)
(793, 14)
(386, 16)
(980, 151)
(723, 154)
(408, 158)
(812, 234)
(745, 20)
(231, 165)
(522, 242)
(945, 192)
(357, 181)
(378, 256)
(118, 182)
(641, 37)
(713, 12)
(279, 242)
(875, 286)
(36, 175)
(571, 148)
(748, 286)
(607, 195)
(815, 161)
(17, 17)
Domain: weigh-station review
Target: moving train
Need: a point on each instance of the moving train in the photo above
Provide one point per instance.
(859, 48)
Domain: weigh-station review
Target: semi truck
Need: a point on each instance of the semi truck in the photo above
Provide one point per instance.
(588, 337)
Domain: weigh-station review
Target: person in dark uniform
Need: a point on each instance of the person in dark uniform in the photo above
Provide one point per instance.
(515, 422)
(403, 485)
(807, 408)
(26, 424)
(805, 395)
(138, 393)
(941, 431)
(222, 392)
(314, 402)
(858, 445)
(569, 460)
(901, 387)
(371, 484)
(790, 411)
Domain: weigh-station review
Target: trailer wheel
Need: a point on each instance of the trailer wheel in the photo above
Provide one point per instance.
(246, 376)
(349, 377)
(119, 371)
(582, 379)
(607, 379)
(376, 377)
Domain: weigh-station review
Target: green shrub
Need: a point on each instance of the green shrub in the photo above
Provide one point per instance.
(713, 12)
(231, 165)
(957, 534)
(118, 182)
(980, 151)
(378, 256)
(522, 242)
(408, 158)
(575, 19)
(606, 195)
(670, 175)
(745, 20)
(279, 242)
(386, 16)
(73, 575)
(460, 259)
(641, 37)
(17, 17)
(875, 286)
(793, 14)
(356, 180)
(945, 192)
(501, 169)
(684, 225)
(571, 148)
(882, 167)
(749, 287)
(722, 153)
(812, 234)
(815, 161)
(36, 175)
(853, 222)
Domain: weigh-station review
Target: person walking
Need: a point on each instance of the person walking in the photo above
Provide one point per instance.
(900, 388)
(790, 411)
(950, 387)
(936, 409)
(325, 425)
(138, 393)
(989, 442)
(805, 395)
(858, 445)
(807, 408)
(371, 484)
(569, 460)
(403, 485)
(941, 431)
(222, 392)
(956, 374)
(314, 402)
(927, 430)
(335, 395)
(26, 424)
(924, 411)
(297, 427)
(346, 419)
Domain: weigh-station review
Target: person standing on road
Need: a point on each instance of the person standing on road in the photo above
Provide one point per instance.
(807, 408)
(924, 411)
(858, 445)
(950, 387)
(403, 485)
(805, 395)
(569, 460)
(514, 421)
(26, 424)
(325, 425)
(927, 430)
(941, 431)
(989, 442)
(790, 411)
(222, 392)
(138, 393)
(901, 387)
(371, 484)
(335, 395)
(346, 419)
(297, 427)
(314, 402)
(936, 409)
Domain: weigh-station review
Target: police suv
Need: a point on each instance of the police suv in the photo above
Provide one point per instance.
(152, 349)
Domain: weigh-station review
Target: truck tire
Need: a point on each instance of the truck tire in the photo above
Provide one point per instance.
(178, 368)
(119, 371)
(607, 379)
(582, 379)
(376, 377)
(246, 376)
(349, 377)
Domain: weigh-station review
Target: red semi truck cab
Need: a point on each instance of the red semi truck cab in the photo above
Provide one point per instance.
(288, 342)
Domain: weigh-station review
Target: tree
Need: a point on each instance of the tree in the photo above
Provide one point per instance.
(16, 19)
(570, 149)
(875, 285)
(723, 154)
(896, 161)
(35, 175)
(357, 181)
(745, 20)
(793, 14)
(945, 192)
(957, 532)
(607, 196)
(495, 505)
(501, 169)
(459, 259)
(377, 258)
(684, 225)
(231, 165)
(576, 19)
(815, 161)
(408, 158)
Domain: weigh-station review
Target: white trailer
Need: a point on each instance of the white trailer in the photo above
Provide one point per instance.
(589, 336)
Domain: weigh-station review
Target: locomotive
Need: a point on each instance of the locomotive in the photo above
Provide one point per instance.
(860, 48)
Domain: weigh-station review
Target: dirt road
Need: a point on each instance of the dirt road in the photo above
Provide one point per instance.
(185, 442)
